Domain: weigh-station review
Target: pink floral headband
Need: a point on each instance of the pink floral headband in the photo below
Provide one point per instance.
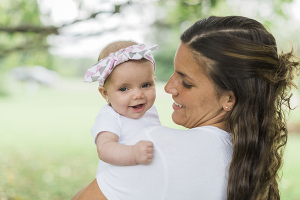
(102, 69)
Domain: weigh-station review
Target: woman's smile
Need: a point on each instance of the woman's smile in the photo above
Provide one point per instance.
(178, 105)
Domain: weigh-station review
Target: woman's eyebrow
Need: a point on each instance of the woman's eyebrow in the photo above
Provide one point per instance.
(183, 75)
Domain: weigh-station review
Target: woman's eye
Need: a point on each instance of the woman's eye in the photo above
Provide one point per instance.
(123, 89)
(146, 85)
(186, 85)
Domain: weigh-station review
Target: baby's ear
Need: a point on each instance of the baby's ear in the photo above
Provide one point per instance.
(154, 77)
(103, 92)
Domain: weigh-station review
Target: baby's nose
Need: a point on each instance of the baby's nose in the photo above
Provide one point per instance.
(138, 95)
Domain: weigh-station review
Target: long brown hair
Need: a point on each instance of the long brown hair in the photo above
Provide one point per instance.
(244, 60)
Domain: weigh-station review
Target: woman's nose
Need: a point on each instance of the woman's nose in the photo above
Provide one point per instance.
(170, 87)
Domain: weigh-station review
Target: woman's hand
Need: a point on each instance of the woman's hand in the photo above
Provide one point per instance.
(143, 152)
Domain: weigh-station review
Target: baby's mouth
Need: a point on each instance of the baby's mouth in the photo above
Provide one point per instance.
(138, 108)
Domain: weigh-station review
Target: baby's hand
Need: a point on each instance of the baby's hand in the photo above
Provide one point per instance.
(143, 152)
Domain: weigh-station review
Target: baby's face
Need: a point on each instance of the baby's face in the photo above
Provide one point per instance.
(131, 88)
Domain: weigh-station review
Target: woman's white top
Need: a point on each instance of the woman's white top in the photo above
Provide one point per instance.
(188, 164)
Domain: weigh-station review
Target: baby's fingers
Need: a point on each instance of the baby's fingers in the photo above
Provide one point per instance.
(147, 143)
(150, 155)
(150, 150)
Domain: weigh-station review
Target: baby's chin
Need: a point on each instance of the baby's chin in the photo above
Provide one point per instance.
(136, 115)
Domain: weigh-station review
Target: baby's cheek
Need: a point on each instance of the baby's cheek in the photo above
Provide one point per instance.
(153, 94)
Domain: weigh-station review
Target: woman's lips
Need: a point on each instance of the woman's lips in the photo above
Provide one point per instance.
(138, 108)
(177, 106)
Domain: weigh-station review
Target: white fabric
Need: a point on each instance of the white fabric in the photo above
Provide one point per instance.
(188, 164)
(125, 128)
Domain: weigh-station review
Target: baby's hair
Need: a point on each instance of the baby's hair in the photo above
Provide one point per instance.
(115, 46)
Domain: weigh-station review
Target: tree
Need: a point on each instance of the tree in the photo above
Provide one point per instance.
(24, 36)
(175, 16)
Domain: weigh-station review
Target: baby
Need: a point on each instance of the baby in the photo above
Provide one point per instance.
(125, 71)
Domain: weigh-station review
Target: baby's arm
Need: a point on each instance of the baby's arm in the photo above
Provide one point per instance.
(110, 151)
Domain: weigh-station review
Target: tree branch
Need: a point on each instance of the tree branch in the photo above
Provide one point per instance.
(43, 31)
(92, 16)
(24, 47)
(47, 30)
(35, 29)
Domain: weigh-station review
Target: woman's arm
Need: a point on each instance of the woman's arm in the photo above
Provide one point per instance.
(91, 192)
(110, 151)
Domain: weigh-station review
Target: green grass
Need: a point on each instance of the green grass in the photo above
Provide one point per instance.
(47, 151)
(290, 182)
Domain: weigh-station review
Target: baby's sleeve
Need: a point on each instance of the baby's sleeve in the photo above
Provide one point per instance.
(106, 122)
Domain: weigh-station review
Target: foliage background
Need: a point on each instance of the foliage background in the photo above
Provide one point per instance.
(46, 150)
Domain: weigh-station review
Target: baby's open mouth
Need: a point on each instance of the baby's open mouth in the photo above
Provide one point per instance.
(138, 108)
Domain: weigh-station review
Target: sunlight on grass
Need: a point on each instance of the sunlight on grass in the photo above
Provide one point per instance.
(47, 151)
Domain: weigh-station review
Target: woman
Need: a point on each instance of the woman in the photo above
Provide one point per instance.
(229, 88)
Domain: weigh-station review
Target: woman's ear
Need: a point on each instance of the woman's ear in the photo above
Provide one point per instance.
(229, 101)
(103, 92)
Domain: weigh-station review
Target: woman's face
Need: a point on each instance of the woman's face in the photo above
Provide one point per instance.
(195, 99)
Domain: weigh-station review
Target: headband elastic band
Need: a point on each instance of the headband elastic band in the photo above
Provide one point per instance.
(102, 69)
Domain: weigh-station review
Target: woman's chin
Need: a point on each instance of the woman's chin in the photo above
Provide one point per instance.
(177, 120)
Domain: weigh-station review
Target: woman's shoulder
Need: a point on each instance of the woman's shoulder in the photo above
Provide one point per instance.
(202, 139)
(212, 131)
(205, 132)
(200, 154)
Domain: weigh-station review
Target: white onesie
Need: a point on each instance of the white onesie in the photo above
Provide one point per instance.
(125, 128)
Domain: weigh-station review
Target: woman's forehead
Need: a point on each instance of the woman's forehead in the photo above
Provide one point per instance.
(187, 60)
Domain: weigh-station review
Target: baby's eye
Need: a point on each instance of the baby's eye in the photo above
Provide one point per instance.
(123, 89)
(146, 85)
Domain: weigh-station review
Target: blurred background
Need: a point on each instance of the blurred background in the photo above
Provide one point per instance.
(46, 110)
